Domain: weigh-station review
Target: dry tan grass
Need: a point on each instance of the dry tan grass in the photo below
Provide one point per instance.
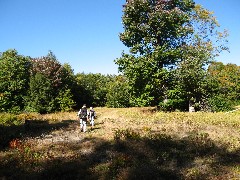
(65, 148)
(221, 127)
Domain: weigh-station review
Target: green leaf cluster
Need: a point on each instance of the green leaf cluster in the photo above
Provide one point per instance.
(170, 45)
(118, 95)
(14, 79)
(33, 84)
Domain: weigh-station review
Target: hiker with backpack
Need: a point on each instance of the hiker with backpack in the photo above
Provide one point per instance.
(91, 116)
(83, 116)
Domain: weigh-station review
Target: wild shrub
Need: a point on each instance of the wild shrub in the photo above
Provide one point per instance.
(200, 143)
(8, 119)
(220, 103)
(126, 134)
(25, 155)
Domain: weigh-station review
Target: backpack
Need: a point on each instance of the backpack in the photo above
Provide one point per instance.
(83, 113)
(92, 113)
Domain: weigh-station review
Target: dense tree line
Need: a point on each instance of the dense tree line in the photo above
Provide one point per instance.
(172, 46)
(44, 85)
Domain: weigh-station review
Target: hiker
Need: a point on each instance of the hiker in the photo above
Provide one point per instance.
(83, 115)
(91, 116)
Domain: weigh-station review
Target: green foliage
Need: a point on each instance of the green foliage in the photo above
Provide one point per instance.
(226, 84)
(51, 86)
(44, 85)
(191, 75)
(170, 43)
(70, 82)
(154, 32)
(220, 103)
(152, 26)
(14, 79)
(227, 78)
(40, 94)
(51, 69)
(143, 100)
(93, 88)
(191, 83)
(118, 95)
(65, 100)
(8, 119)
(176, 101)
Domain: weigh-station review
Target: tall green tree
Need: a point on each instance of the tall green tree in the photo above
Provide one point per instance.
(58, 81)
(204, 44)
(163, 36)
(14, 80)
(40, 95)
(154, 31)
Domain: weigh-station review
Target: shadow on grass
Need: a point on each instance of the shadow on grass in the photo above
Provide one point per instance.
(156, 156)
(31, 128)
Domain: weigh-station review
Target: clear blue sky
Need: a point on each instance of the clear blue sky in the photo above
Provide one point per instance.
(85, 33)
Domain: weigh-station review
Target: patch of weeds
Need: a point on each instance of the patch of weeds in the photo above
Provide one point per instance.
(8, 119)
(101, 168)
(119, 162)
(146, 129)
(126, 134)
(27, 116)
(24, 153)
(194, 173)
(160, 140)
(200, 143)
(168, 150)
(236, 171)
(7, 133)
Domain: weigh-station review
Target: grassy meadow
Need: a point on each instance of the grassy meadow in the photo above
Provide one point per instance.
(126, 143)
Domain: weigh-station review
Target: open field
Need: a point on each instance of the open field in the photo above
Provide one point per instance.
(129, 143)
